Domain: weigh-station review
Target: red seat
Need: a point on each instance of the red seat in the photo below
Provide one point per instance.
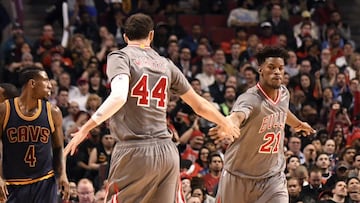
(215, 20)
(158, 18)
(189, 20)
(221, 34)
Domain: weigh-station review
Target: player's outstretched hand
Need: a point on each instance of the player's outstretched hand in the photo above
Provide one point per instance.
(64, 187)
(78, 137)
(3, 191)
(304, 128)
(230, 131)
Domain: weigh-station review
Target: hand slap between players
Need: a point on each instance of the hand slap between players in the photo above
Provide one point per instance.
(230, 131)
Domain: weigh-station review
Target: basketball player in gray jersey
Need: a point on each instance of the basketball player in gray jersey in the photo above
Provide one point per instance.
(254, 163)
(145, 163)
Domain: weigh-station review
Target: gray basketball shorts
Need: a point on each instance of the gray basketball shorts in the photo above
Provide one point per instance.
(235, 189)
(145, 171)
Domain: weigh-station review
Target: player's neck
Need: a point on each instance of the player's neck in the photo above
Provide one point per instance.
(270, 92)
(140, 43)
(27, 103)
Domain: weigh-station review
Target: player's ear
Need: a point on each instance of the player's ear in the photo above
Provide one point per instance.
(151, 35)
(126, 39)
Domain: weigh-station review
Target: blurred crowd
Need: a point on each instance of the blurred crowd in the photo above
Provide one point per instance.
(322, 75)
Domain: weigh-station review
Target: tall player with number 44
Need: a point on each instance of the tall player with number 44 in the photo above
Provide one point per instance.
(145, 163)
(254, 163)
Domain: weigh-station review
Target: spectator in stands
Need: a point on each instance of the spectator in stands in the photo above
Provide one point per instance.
(17, 32)
(207, 76)
(92, 103)
(353, 184)
(184, 63)
(201, 193)
(315, 187)
(230, 98)
(329, 149)
(247, 56)
(220, 62)
(100, 196)
(191, 41)
(306, 18)
(27, 61)
(294, 190)
(245, 15)
(96, 84)
(310, 155)
(100, 158)
(83, 94)
(62, 100)
(250, 77)
(234, 57)
(86, 191)
(46, 42)
(294, 145)
(291, 165)
(343, 28)
(217, 89)
(323, 163)
(267, 36)
(281, 25)
(292, 67)
(265, 10)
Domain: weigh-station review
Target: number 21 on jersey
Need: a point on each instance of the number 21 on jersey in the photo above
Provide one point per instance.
(144, 94)
(272, 142)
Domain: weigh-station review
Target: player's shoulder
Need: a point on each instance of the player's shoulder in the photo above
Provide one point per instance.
(284, 90)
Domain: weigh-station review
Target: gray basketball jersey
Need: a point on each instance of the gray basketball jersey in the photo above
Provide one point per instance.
(152, 77)
(258, 153)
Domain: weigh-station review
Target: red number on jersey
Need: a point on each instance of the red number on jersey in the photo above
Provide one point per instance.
(271, 144)
(30, 156)
(158, 92)
(140, 91)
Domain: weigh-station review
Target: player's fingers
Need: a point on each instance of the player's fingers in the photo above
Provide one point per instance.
(66, 191)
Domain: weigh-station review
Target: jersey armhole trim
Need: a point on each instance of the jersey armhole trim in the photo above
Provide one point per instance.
(7, 113)
(50, 118)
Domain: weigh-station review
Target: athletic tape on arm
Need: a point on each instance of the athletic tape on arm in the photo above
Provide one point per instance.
(116, 99)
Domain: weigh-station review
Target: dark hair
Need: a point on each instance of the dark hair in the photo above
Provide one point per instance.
(10, 91)
(138, 26)
(322, 153)
(292, 156)
(198, 160)
(29, 73)
(271, 51)
(212, 155)
(63, 89)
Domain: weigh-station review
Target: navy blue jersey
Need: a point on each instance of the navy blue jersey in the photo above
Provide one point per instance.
(27, 145)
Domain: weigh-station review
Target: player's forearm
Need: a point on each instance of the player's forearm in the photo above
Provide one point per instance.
(59, 161)
(116, 99)
(209, 112)
(292, 120)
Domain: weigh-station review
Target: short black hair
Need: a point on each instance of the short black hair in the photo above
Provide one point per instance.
(271, 51)
(27, 74)
(10, 90)
(138, 26)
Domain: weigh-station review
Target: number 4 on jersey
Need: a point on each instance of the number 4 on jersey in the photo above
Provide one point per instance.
(158, 92)
(30, 157)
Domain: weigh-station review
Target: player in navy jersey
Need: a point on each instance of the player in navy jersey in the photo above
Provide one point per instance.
(32, 141)
(254, 164)
(145, 163)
